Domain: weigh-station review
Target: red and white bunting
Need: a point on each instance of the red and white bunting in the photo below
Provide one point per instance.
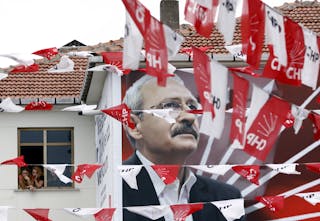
(132, 45)
(182, 211)
(129, 174)
(310, 197)
(204, 3)
(38, 105)
(65, 65)
(284, 168)
(310, 71)
(48, 53)
(250, 172)
(212, 169)
(299, 116)
(39, 214)
(252, 30)
(114, 59)
(314, 167)
(58, 170)
(227, 19)
(231, 209)
(151, 212)
(239, 103)
(167, 173)
(173, 41)
(274, 203)
(275, 34)
(201, 17)
(22, 68)
(21, 59)
(8, 106)
(4, 213)
(19, 161)
(236, 51)
(105, 214)
(81, 107)
(82, 211)
(84, 169)
(121, 113)
(315, 118)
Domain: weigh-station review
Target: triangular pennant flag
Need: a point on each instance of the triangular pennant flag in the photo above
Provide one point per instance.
(49, 53)
(314, 167)
(151, 212)
(299, 116)
(65, 65)
(189, 51)
(58, 170)
(201, 17)
(22, 68)
(173, 41)
(21, 59)
(4, 213)
(315, 118)
(245, 70)
(250, 172)
(129, 174)
(39, 214)
(84, 169)
(227, 19)
(168, 115)
(8, 106)
(239, 103)
(236, 51)
(3, 76)
(81, 54)
(114, 58)
(121, 113)
(204, 3)
(252, 30)
(38, 105)
(167, 173)
(231, 209)
(284, 168)
(213, 169)
(182, 211)
(82, 211)
(311, 197)
(19, 161)
(105, 214)
(274, 203)
(82, 107)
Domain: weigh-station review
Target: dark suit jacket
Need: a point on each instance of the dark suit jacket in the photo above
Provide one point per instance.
(204, 190)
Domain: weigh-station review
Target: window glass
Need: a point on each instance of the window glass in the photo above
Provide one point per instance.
(58, 136)
(32, 154)
(31, 136)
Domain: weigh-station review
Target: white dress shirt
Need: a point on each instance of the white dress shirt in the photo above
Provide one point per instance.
(169, 194)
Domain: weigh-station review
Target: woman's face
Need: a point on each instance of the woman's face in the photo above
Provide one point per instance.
(34, 172)
(25, 173)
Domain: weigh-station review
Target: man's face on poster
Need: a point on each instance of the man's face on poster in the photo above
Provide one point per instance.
(158, 136)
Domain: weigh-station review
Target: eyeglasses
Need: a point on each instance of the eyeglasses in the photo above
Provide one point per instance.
(176, 106)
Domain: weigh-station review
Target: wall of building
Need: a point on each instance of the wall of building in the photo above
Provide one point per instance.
(82, 196)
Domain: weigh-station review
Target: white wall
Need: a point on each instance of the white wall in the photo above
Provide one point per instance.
(84, 194)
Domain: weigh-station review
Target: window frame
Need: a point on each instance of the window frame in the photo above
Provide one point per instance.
(45, 145)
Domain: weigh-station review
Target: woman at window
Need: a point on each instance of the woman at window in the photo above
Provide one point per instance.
(37, 177)
(24, 178)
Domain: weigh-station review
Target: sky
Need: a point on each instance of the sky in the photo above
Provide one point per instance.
(31, 25)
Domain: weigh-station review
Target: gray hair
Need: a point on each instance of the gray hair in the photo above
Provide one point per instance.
(134, 98)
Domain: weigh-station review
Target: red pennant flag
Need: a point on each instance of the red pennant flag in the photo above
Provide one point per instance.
(239, 103)
(250, 172)
(315, 118)
(195, 111)
(274, 203)
(114, 58)
(245, 70)
(38, 105)
(48, 52)
(39, 214)
(167, 173)
(252, 30)
(202, 77)
(21, 68)
(181, 211)
(265, 129)
(121, 113)
(201, 17)
(314, 167)
(84, 169)
(104, 214)
(19, 161)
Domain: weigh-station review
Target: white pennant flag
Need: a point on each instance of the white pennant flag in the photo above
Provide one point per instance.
(4, 213)
(58, 169)
(310, 71)
(231, 209)
(107, 68)
(129, 174)
(227, 19)
(82, 107)
(65, 65)
(284, 168)
(132, 45)
(219, 83)
(82, 211)
(168, 115)
(173, 41)
(275, 34)
(22, 59)
(204, 3)
(299, 116)
(3, 76)
(151, 212)
(213, 169)
(311, 197)
(236, 51)
(81, 54)
(8, 106)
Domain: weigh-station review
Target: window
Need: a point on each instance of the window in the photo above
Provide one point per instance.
(47, 146)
